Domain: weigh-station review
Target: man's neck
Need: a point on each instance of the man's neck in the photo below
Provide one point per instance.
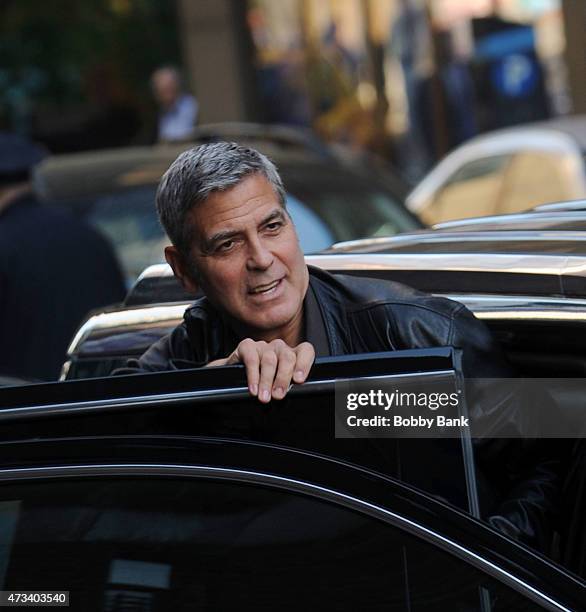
(292, 333)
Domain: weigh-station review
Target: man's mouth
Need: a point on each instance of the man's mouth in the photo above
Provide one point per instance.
(265, 288)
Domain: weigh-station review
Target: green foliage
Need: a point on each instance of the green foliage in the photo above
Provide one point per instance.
(52, 51)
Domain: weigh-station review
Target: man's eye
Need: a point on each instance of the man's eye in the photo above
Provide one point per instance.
(226, 246)
(274, 226)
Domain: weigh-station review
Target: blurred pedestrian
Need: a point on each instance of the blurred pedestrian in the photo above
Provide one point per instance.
(53, 271)
(178, 109)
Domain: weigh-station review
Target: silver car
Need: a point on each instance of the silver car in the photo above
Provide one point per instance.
(506, 171)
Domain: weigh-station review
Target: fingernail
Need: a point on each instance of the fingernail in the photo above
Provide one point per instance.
(253, 389)
(299, 374)
(279, 391)
(265, 395)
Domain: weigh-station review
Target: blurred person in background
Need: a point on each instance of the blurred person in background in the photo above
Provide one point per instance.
(178, 110)
(53, 271)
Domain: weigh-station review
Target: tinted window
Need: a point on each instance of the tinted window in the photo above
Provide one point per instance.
(353, 206)
(129, 220)
(479, 168)
(193, 545)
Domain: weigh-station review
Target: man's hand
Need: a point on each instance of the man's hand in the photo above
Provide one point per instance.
(271, 367)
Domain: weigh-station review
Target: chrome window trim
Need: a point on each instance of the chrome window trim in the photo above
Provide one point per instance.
(408, 261)
(489, 300)
(567, 205)
(155, 271)
(555, 265)
(526, 308)
(535, 316)
(127, 318)
(476, 235)
(140, 401)
(540, 216)
(298, 486)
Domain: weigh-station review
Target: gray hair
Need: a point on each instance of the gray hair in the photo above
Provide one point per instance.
(201, 171)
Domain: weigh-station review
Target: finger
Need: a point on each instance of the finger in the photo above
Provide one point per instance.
(287, 359)
(268, 367)
(305, 358)
(248, 354)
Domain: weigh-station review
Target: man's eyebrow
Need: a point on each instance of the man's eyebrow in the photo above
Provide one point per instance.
(276, 215)
(210, 242)
(218, 237)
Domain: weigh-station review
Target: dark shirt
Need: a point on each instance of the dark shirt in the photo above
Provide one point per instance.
(315, 328)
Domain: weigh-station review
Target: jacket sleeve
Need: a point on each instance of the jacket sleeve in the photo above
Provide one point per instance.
(172, 352)
(523, 472)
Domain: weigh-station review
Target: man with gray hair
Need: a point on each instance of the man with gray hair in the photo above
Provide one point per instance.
(223, 207)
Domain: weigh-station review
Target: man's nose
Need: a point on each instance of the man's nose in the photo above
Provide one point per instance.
(259, 256)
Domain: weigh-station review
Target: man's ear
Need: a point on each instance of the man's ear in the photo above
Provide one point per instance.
(180, 269)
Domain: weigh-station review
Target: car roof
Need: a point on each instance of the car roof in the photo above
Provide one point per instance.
(78, 175)
(573, 126)
(488, 245)
(561, 206)
(569, 216)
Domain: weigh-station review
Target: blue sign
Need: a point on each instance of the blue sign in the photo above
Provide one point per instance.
(515, 76)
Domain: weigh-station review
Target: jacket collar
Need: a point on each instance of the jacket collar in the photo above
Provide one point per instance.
(212, 338)
(332, 311)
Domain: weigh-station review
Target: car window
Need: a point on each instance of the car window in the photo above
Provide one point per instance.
(535, 178)
(473, 190)
(351, 205)
(314, 234)
(479, 168)
(176, 544)
(128, 219)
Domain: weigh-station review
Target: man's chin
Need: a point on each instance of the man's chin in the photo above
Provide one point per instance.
(269, 321)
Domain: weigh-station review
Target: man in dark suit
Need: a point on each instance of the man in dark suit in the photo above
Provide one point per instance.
(53, 270)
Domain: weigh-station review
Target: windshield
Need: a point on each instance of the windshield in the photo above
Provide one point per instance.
(351, 205)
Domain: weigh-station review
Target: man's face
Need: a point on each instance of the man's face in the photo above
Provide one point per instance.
(248, 261)
(165, 88)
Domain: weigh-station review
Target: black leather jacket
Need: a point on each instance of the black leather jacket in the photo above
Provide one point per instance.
(365, 315)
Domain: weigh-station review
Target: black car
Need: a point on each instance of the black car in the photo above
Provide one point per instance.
(178, 491)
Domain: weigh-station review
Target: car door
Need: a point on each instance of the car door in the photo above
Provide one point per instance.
(178, 491)
(215, 402)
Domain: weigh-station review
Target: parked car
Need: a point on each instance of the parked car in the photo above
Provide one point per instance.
(506, 171)
(331, 195)
(174, 490)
